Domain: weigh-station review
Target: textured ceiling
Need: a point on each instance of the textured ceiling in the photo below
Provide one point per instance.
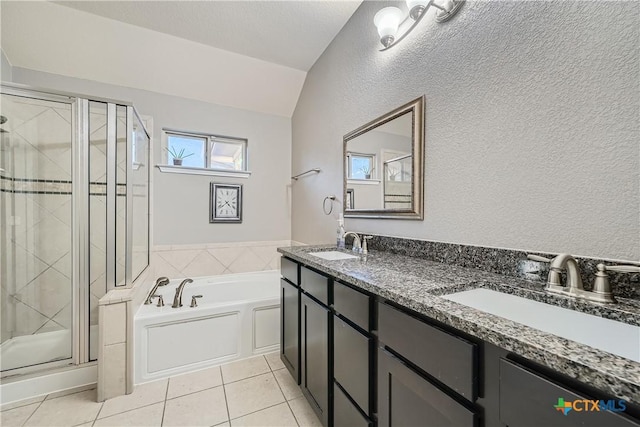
(289, 33)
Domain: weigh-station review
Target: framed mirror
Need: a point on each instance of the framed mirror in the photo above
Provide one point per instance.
(383, 166)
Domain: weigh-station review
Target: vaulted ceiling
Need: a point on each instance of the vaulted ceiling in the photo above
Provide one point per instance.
(246, 54)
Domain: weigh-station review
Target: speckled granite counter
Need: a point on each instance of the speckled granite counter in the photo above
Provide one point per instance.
(418, 284)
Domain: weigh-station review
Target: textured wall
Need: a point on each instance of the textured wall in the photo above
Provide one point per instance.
(532, 125)
(181, 202)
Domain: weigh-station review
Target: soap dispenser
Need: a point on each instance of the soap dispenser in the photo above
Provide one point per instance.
(340, 233)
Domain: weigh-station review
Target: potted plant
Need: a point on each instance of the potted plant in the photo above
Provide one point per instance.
(177, 155)
(366, 171)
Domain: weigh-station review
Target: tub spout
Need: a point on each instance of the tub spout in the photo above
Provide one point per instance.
(177, 300)
(162, 281)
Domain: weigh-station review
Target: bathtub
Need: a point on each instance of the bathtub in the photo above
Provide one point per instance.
(238, 316)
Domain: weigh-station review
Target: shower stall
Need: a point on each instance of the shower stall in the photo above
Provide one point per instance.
(74, 218)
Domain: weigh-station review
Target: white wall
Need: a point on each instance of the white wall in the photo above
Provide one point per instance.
(532, 125)
(5, 68)
(181, 202)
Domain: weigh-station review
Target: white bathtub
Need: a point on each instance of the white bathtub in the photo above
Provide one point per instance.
(238, 316)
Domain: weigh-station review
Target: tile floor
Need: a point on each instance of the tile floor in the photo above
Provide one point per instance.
(253, 392)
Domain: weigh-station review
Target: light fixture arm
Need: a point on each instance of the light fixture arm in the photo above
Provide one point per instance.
(389, 19)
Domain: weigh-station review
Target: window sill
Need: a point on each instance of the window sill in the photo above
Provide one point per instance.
(189, 170)
(363, 181)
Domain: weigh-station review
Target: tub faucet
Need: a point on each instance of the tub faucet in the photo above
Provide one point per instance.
(357, 246)
(162, 281)
(177, 300)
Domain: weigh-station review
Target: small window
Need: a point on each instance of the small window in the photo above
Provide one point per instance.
(207, 151)
(361, 166)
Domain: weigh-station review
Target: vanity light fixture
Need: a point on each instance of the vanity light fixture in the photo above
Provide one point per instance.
(389, 19)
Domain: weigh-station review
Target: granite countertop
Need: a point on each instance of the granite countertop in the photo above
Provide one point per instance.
(419, 285)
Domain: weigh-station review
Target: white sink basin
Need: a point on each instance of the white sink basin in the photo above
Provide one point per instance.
(614, 337)
(333, 255)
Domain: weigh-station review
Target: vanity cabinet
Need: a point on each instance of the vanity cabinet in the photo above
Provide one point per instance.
(290, 317)
(315, 321)
(353, 345)
(424, 373)
(364, 361)
(529, 399)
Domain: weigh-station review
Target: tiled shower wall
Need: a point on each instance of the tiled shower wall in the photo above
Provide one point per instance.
(36, 204)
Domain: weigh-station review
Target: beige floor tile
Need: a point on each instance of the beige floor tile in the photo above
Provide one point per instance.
(89, 424)
(204, 408)
(194, 381)
(17, 416)
(143, 395)
(252, 394)
(273, 359)
(223, 425)
(246, 368)
(303, 413)
(276, 416)
(24, 402)
(146, 416)
(69, 410)
(288, 385)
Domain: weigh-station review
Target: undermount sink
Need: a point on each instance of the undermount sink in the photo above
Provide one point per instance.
(333, 255)
(608, 335)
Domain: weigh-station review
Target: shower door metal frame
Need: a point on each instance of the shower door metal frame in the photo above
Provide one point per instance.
(79, 219)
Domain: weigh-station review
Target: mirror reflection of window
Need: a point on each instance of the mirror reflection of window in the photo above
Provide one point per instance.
(361, 166)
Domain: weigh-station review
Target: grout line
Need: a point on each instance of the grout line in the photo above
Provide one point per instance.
(164, 404)
(286, 400)
(96, 418)
(226, 401)
(267, 407)
(25, 421)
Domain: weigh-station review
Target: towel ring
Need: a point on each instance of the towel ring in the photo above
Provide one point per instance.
(331, 198)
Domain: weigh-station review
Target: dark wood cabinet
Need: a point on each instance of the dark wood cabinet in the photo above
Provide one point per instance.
(528, 399)
(290, 328)
(406, 399)
(315, 382)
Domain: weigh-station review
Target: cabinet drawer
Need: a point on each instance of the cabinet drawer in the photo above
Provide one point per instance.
(448, 358)
(352, 304)
(344, 413)
(351, 362)
(315, 284)
(528, 399)
(289, 270)
(406, 399)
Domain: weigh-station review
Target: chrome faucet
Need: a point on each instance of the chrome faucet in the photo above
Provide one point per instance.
(162, 281)
(357, 244)
(177, 300)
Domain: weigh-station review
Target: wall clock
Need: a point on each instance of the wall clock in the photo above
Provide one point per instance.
(225, 203)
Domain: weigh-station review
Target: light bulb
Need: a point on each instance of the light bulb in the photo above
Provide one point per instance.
(416, 8)
(387, 20)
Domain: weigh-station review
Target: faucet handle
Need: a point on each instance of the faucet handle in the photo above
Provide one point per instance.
(194, 302)
(620, 268)
(365, 249)
(538, 258)
(160, 300)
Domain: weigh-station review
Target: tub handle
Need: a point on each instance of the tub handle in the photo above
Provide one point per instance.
(160, 300)
(194, 302)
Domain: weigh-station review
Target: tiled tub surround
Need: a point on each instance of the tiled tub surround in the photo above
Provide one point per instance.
(418, 285)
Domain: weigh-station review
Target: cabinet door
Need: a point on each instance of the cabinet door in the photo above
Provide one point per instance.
(290, 328)
(315, 356)
(351, 362)
(530, 400)
(406, 399)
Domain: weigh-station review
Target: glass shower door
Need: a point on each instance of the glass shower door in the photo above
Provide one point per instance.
(36, 286)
